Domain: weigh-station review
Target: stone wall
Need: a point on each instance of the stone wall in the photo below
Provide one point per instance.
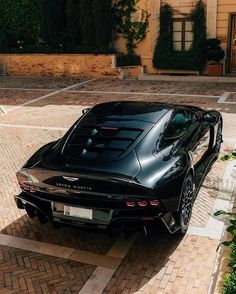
(87, 65)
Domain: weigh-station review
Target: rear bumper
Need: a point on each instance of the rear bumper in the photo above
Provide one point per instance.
(103, 218)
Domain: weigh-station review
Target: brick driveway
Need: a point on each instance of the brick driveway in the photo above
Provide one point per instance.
(159, 263)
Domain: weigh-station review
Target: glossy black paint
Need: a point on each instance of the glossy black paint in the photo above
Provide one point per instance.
(120, 152)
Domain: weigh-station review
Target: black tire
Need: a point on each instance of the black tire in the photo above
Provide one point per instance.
(218, 139)
(183, 216)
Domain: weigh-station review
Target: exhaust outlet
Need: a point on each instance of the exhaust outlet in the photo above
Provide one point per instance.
(42, 218)
(30, 211)
(170, 222)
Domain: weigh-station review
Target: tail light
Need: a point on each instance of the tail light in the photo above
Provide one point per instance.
(142, 203)
(130, 204)
(24, 180)
(154, 202)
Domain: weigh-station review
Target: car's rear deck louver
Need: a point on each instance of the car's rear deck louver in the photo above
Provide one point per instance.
(105, 139)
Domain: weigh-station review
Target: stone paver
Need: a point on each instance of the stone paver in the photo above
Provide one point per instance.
(160, 263)
(16, 146)
(9, 98)
(24, 272)
(165, 264)
(165, 87)
(49, 115)
(232, 97)
(207, 195)
(38, 82)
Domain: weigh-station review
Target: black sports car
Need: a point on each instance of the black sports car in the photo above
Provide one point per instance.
(123, 162)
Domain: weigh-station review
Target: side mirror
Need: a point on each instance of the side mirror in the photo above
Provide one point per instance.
(209, 118)
(85, 110)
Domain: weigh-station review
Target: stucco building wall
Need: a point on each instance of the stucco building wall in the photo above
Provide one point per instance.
(217, 15)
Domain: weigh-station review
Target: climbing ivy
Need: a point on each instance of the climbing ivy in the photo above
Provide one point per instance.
(134, 31)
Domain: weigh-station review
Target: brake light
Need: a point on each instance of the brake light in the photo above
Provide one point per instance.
(24, 186)
(130, 203)
(154, 202)
(24, 180)
(109, 129)
(142, 203)
(147, 218)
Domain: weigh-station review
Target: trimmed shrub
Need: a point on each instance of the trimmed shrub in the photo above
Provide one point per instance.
(20, 22)
(198, 49)
(165, 57)
(56, 26)
(214, 50)
(54, 22)
(128, 60)
(88, 32)
(73, 21)
(162, 57)
(103, 22)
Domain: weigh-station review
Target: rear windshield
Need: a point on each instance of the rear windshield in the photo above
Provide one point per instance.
(102, 140)
(106, 137)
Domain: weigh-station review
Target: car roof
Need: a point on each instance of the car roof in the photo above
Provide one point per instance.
(111, 130)
(137, 110)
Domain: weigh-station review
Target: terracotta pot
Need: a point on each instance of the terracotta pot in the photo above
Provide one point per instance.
(215, 70)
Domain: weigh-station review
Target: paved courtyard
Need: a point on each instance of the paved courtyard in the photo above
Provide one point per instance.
(41, 259)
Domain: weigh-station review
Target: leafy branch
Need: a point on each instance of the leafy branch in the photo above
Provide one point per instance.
(134, 31)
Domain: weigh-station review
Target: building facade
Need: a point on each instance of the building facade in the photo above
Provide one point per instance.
(221, 23)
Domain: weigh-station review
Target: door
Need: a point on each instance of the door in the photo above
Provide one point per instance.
(233, 45)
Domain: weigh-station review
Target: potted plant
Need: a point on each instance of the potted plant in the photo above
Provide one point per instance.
(214, 55)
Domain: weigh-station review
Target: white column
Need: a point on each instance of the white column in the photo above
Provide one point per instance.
(211, 18)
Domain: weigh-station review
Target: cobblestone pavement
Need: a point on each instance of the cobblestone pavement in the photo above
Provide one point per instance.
(173, 265)
(23, 272)
(159, 263)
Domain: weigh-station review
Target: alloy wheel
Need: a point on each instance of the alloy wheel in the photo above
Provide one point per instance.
(187, 203)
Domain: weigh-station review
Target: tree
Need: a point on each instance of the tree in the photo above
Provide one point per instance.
(87, 23)
(54, 22)
(103, 22)
(20, 22)
(199, 48)
(73, 21)
(164, 45)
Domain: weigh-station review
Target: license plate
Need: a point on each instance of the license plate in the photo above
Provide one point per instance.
(78, 212)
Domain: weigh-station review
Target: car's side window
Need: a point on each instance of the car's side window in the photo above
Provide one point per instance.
(180, 123)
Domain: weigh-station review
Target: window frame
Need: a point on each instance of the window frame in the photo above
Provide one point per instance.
(183, 41)
(193, 121)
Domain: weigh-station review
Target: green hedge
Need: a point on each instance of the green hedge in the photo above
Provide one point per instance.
(128, 60)
(20, 22)
(56, 25)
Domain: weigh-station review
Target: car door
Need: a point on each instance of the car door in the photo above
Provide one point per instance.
(200, 146)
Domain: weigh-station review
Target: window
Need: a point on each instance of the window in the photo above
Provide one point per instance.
(182, 34)
(180, 123)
